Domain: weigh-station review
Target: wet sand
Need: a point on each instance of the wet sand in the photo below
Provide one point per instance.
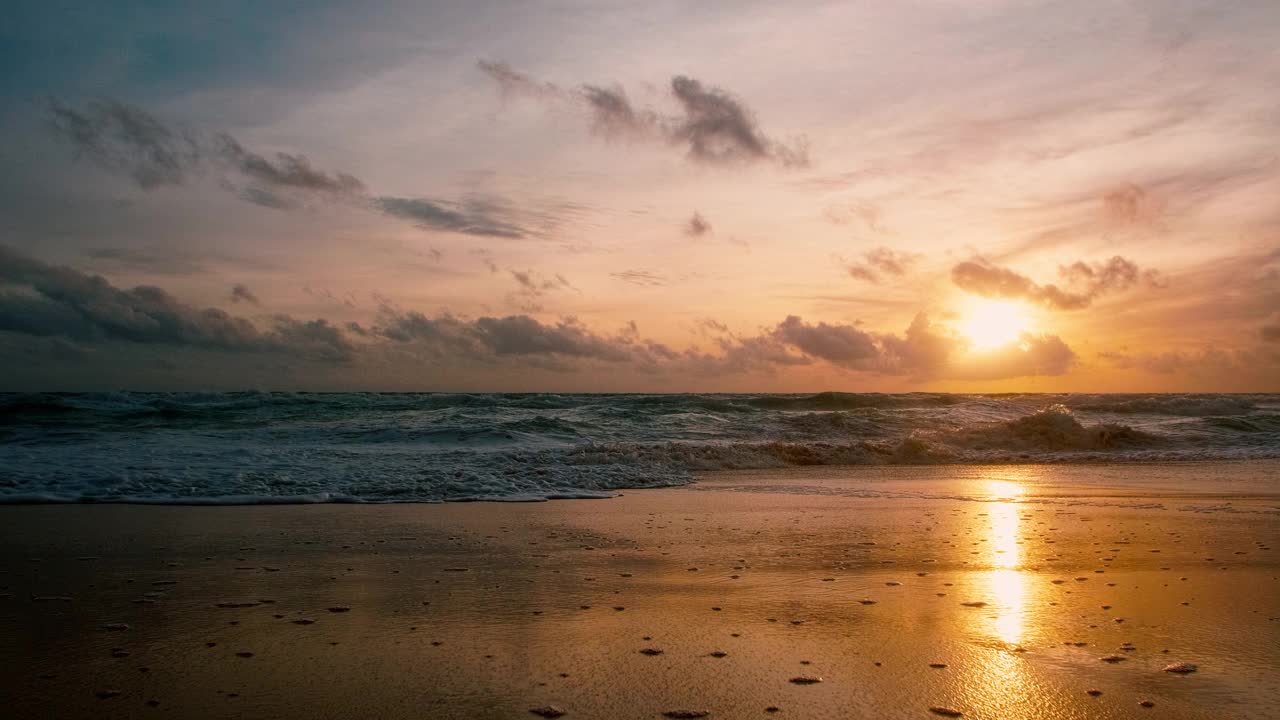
(997, 592)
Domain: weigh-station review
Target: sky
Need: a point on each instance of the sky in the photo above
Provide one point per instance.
(606, 196)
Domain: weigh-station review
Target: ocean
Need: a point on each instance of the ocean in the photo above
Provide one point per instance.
(250, 447)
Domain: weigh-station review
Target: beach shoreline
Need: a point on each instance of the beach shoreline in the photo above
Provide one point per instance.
(745, 581)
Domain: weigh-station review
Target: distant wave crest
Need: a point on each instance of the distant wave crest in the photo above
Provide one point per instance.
(211, 448)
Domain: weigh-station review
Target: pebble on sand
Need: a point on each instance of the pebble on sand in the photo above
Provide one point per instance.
(1113, 658)
(974, 603)
(1147, 703)
(547, 711)
(1182, 668)
(806, 679)
(244, 654)
(650, 651)
(938, 666)
(339, 609)
(115, 626)
(105, 694)
(687, 713)
(945, 711)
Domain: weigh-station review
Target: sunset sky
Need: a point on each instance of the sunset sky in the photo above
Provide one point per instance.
(959, 195)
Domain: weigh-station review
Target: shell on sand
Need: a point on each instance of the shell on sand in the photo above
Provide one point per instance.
(1182, 667)
(547, 711)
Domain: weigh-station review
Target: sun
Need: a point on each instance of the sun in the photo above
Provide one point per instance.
(991, 324)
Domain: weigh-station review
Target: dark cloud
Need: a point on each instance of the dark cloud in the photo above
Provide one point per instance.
(843, 345)
(531, 286)
(697, 226)
(266, 198)
(880, 261)
(241, 293)
(531, 283)
(63, 302)
(473, 219)
(45, 301)
(513, 82)
(613, 116)
(513, 335)
(717, 129)
(522, 335)
(712, 126)
(1084, 282)
(643, 278)
(126, 139)
(286, 171)
(163, 261)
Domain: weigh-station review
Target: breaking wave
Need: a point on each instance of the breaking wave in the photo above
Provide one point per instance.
(228, 448)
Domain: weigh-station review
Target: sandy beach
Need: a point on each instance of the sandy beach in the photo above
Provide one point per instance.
(992, 592)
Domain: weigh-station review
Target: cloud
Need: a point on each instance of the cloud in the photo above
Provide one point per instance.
(46, 301)
(711, 125)
(881, 260)
(241, 293)
(468, 219)
(512, 82)
(1084, 282)
(843, 345)
(719, 130)
(55, 301)
(643, 278)
(486, 257)
(613, 117)
(512, 335)
(697, 226)
(531, 286)
(287, 171)
(126, 139)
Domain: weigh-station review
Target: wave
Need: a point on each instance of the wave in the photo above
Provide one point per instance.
(1053, 428)
(1176, 405)
(854, 401)
(407, 447)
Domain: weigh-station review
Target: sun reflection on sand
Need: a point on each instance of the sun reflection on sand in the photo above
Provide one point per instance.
(1007, 583)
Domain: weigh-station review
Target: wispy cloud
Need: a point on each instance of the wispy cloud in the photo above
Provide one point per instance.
(879, 262)
(711, 125)
(127, 139)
